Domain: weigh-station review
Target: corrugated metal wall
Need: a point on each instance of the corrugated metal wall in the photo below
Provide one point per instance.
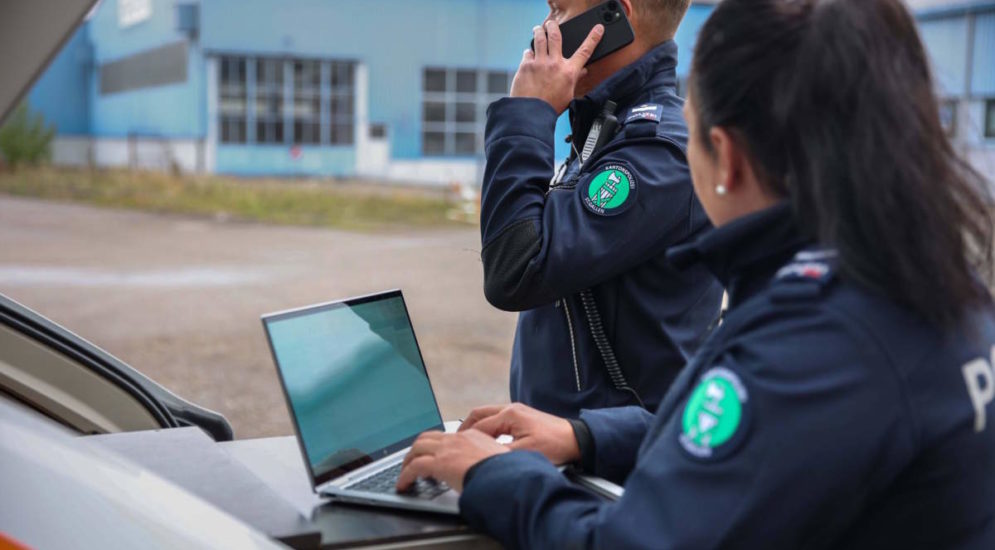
(947, 44)
(983, 80)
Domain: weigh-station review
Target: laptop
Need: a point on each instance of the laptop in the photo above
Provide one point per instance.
(359, 395)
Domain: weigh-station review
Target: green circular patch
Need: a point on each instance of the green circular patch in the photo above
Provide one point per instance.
(714, 414)
(610, 191)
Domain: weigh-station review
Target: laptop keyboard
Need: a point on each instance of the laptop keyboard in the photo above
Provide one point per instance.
(385, 481)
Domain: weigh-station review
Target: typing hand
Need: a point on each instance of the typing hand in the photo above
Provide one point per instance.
(545, 74)
(446, 457)
(532, 430)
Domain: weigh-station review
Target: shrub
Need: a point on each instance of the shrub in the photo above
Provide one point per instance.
(26, 138)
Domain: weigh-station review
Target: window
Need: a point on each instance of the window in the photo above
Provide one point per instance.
(341, 113)
(232, 103)
(378, 130)
(948, 116)
(299, 101)
(269, 101)
(454, 108)
(990, 119)
(307, 102)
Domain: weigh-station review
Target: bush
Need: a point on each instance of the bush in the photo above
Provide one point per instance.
(25, 138)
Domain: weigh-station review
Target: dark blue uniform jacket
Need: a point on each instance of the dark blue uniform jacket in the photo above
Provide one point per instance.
(542, 244)
(854, 425)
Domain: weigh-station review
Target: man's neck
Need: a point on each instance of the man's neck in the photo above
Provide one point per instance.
(602, 69)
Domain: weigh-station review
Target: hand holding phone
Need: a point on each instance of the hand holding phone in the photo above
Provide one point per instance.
(545, 74)
(618, 30)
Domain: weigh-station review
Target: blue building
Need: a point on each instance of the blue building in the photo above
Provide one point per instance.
(960, 37)
(380, 89)
(387, 89)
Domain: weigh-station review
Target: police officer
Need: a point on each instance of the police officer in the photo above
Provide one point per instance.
(846, 400)
(604, 322)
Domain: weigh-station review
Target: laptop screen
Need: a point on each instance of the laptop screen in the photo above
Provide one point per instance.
(355, 380)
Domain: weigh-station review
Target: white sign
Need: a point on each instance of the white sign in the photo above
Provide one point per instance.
(132, 12)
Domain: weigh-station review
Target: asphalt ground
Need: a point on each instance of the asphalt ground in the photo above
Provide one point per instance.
(179, 298)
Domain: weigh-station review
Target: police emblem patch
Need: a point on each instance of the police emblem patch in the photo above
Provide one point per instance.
(647, 111)
(715, 416)
(611, 191)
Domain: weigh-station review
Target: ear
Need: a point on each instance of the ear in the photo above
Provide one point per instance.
(732, 160)
(627, 6)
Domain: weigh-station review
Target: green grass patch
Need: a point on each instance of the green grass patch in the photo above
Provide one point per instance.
(346, 205)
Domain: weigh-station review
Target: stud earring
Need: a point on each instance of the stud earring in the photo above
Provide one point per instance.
(720, 190)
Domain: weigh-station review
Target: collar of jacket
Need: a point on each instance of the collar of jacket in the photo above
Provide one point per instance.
(656, 69)
(746, 253)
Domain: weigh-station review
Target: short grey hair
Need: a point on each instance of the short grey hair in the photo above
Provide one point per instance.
(660, 18)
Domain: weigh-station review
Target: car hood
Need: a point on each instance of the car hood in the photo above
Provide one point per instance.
(61, 491)
(31, 34)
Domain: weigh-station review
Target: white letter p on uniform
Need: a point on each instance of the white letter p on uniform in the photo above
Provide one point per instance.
(981, 389)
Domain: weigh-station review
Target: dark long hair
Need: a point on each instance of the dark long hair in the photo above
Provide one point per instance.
(834, 101)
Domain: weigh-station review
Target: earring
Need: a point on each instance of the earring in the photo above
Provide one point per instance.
(720, 190)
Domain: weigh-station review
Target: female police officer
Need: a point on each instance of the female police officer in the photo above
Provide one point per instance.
(846, 399)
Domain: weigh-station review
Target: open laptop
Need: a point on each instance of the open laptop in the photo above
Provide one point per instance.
(358, 393)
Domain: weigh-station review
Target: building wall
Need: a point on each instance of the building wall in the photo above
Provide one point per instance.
(176, 111)
(687, 35)
(62, 93)
(960, 40)
(392, 41)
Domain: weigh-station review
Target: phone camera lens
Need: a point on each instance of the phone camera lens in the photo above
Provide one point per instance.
(612, 6)
(608, 17)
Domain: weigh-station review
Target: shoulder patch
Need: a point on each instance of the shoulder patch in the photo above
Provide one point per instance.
(611, 191)
(806, 276)
(810, 265)
(716, 416)
(646, 111)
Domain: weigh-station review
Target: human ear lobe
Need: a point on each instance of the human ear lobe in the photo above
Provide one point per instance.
(727, 159)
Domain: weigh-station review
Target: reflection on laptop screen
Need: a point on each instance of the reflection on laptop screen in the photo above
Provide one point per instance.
(354, 377)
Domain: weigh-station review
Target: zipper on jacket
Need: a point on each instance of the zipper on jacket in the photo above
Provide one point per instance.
(573, 341)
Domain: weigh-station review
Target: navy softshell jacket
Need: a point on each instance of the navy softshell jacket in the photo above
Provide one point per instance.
(604, 225)
(818, 415)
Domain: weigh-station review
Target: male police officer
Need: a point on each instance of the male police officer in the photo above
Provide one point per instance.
(605, 322)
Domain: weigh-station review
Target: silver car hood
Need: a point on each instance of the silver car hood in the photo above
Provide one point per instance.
(60, 491)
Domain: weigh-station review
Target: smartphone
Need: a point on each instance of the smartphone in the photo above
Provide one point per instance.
(618, 31)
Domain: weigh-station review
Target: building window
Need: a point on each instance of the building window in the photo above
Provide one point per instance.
(307, 102)
(454, 106)
(343, 94)
(990, 119)
(299, 101)
(378, 130)
(269, 101)
(232, 103)
(948, 116)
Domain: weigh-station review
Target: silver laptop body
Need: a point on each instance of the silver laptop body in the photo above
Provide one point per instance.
(358, 392)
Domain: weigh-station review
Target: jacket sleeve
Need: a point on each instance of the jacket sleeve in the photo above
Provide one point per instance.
(820, 441)
(616, 435)
(541, 244)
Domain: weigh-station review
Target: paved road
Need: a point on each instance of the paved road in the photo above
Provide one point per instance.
(180, 298)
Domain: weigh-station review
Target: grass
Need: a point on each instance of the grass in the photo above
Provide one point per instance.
(346, 205)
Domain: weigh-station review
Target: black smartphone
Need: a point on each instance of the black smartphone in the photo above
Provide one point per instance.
(618, 31)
